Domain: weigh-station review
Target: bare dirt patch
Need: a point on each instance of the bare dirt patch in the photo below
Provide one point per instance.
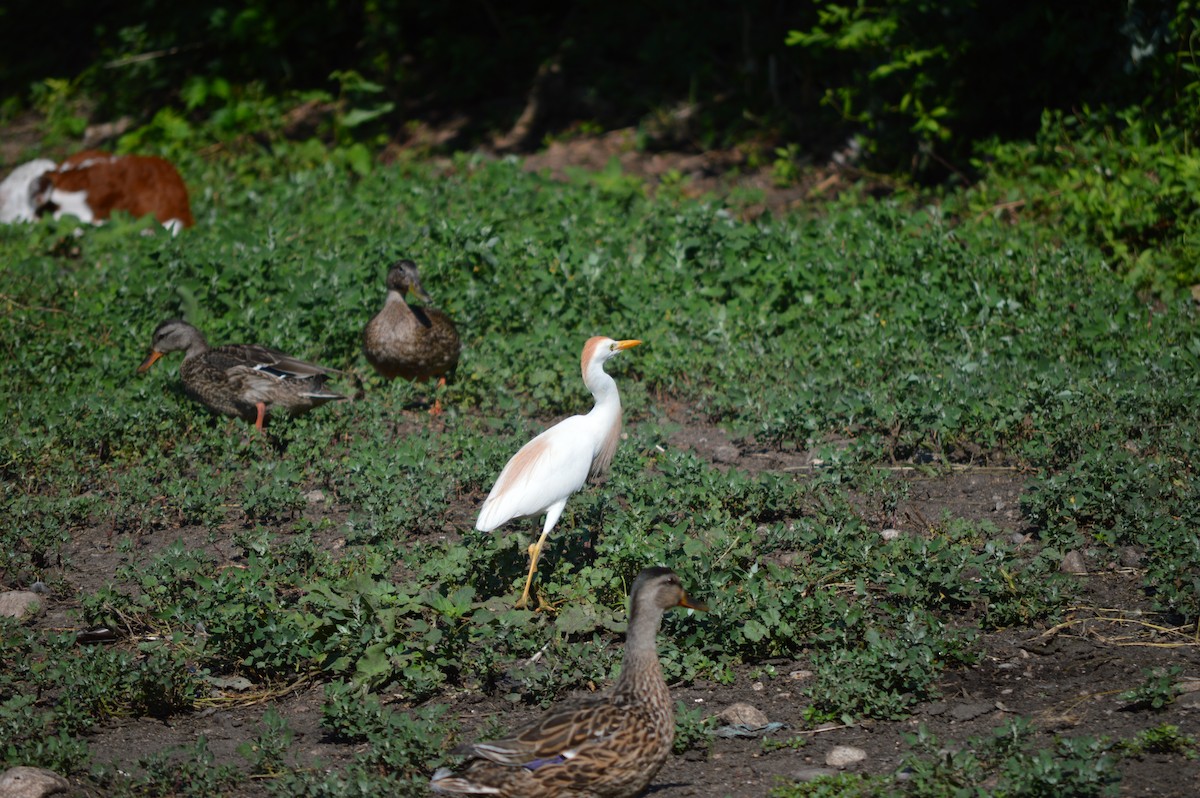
(1066, 679)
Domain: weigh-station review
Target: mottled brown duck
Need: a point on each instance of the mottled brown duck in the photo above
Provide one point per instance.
(610, 746)
(414, 342)
(248, 381)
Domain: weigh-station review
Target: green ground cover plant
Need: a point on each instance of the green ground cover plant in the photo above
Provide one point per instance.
(338, 548)
(1002, 764)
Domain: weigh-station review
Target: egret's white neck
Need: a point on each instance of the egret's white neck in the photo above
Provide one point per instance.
(603, 388)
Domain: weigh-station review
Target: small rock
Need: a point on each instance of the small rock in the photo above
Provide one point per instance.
(844, 755)
(40, 587)
(238, 684)
(890, 534)
(23, 782)
(19, 603)
(811, 774)
(1018, 539)
(1188, 701)
(1131, 557)
(744, 714)
(315, 496)
(800, 676)
(726, 454)
(1072, 563)
(758, 687)
(971, 711)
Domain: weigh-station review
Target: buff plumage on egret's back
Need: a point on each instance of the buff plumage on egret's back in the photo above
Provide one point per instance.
(609, 746)
(544, 473)
(410, 341)
(244, 380)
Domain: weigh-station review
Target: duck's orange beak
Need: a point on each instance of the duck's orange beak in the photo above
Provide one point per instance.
(691, 604)
(149, 361)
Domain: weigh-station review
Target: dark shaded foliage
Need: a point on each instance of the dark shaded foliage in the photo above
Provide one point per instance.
(712, 72)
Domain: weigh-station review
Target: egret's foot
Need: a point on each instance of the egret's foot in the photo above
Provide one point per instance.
(523, 602)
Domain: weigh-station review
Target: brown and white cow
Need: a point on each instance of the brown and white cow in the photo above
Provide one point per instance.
(90, 185)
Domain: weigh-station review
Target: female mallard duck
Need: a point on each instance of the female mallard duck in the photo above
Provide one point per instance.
(416, 343)
(609, 746)
(244, 380)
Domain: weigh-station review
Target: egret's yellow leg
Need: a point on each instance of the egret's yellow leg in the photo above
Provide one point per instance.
(535, 551)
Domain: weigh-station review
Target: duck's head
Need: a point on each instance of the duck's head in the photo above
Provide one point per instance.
(661, 588)
(404, 277)
(173, 335)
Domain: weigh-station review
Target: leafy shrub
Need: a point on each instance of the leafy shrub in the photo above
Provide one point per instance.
(1122, 181)
(873, 335)
(1072, 766)
(1156, 692)
(873, 674)
(1164, 739)
(191, 772)
(692, 729)
(915, 76)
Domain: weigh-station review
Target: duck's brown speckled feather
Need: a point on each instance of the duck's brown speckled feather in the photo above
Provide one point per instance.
(234, 379)
(608, 746)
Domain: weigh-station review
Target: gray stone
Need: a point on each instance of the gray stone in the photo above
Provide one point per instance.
(744, 714)
(971, 711)
(19, 603)
(1188, 701)
(1131, 557)
(1072, 563)
(811, 773)
(842, 756)
(726, 454)
(23, 782)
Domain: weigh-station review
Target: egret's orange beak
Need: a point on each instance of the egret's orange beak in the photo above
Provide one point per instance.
(149, 361)
(691, 604)
(630, 344)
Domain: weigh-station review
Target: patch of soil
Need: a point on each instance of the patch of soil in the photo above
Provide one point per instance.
(1065, 679)
(716, 172)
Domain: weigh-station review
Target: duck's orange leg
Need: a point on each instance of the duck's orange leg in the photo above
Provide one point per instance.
(436, 410)
(262, 414)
